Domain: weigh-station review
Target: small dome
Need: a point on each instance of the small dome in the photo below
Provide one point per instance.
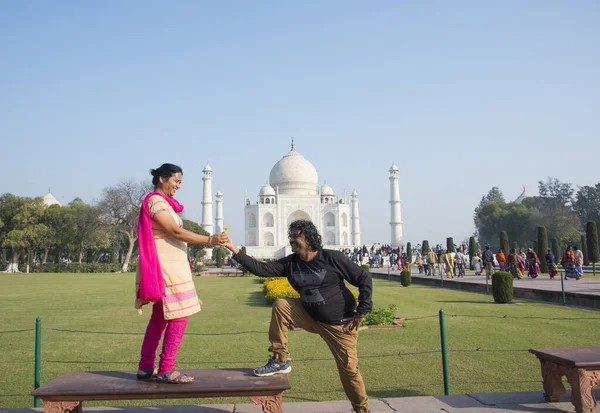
(207, 168)
(524, 195)
(393, 168)
(326, 190)
(354, 193)
(219, 193)
(49, 199)
(294, 175)
(267, 190)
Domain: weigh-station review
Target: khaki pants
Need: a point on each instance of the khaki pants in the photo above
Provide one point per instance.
(289, 311)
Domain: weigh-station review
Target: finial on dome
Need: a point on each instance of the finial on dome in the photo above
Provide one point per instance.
(292, 143)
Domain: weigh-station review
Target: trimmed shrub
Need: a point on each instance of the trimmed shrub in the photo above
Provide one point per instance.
(449, 244)
(542, 247)
(556, 249)
(502, 287)
(405, 278)
(409, 252)
(425, 247)
(584, 249)
(381, 316)
(516, 246)
(591, 230)
(83, 268)
(472, 249)
(504, 245)
(366, 267)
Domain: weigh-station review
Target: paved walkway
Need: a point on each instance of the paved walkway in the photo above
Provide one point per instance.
(461, 403)
(589, 285)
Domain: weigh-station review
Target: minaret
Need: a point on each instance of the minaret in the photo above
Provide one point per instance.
(219, 217)
(355, 234)
(207, 215)
(395, 216)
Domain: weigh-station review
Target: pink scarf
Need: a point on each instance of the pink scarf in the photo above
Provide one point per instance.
(152, 285)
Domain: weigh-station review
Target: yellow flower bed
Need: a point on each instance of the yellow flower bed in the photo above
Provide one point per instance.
(280, 288)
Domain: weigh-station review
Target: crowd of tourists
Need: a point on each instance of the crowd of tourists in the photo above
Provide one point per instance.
(454, 263)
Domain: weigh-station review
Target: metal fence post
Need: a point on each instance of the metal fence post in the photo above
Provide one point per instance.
(38, 356)
(444, 354)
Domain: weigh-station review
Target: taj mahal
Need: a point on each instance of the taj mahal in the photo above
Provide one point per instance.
(293, 193)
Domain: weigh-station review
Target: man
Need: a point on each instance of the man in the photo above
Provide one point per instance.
(488, 261)
(448, 261)
(326, 306)
(431, 259)
(461, 262)
(578, 259)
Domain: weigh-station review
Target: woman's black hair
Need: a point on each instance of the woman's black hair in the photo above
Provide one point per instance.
(165, 171)
(310, 232)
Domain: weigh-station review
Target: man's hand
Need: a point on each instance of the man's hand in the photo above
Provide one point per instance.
(218, 239)
(230, 245)
(353, 323)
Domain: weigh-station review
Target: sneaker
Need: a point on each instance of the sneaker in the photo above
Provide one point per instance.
(273, 367)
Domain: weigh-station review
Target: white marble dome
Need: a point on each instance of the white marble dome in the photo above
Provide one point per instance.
(294, 175)
(326, 190)
(49, 199)
(267, 190)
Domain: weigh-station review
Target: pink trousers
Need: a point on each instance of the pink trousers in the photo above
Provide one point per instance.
(173, 333)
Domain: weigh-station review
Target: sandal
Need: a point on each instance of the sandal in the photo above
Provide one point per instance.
(179, 378)
(148, 374)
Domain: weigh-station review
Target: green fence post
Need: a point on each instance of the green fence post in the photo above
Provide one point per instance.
(562, 284)
(444, 354)
(38, 356)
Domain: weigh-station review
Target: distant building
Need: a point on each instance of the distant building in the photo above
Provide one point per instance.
(524, 195)
(49, 199)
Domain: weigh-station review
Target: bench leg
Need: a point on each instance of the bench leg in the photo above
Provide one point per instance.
(270, 404)
(551, 375)
(62, 407)
(583, 384)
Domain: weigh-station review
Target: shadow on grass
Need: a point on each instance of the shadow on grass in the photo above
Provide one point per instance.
(465, 302)
(257, 299)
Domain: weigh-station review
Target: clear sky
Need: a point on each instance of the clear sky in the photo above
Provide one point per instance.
(461, 95)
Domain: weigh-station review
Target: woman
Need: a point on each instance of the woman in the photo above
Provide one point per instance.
(164, 276)
(419, 262)
(501, 258)
(514, 264)
(568, 261)
(476, 263)
(533, 263)
(552, 268)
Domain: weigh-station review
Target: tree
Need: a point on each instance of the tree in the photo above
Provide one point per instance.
(195, 251)
(493, 197)
(409, 252)
(449, 244)
(425, 247)
(120, 206)
(472, 250)
(584, 250)
(542, 247)
(591, 230)
(559, 192)
(587, 204)
(89, 231)
(27, 230)
(504, 242)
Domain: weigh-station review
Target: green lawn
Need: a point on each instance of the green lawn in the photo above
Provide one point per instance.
(89, 324)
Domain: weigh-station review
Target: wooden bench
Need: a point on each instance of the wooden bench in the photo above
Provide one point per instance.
(66, 393)
(580, 365)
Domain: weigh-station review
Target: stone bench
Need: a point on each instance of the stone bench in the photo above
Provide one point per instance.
(66, 393)
(581, 366)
